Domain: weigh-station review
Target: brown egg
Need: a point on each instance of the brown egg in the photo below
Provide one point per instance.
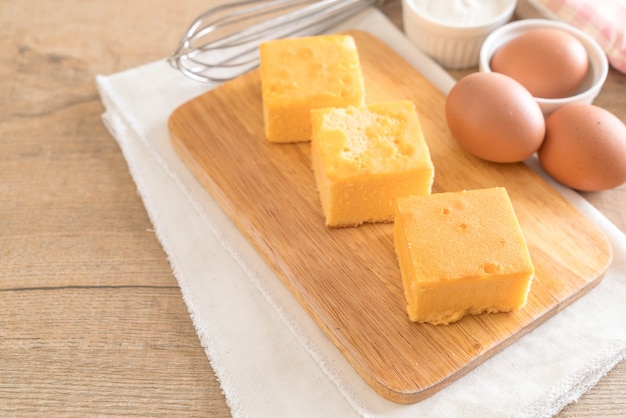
(494, 117)
(550, 63)
(584, 148)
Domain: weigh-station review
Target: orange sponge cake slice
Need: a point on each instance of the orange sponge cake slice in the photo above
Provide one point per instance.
(461, 253)
(301, 74)
(365, 157)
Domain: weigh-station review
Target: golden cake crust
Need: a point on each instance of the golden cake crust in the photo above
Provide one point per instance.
(366, 157)
(301, 74)
(461, 253)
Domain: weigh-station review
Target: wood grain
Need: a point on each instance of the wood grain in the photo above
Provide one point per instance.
(348, 279)
(76, 240)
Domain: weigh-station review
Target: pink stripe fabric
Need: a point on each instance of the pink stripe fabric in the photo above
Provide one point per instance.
(604, 20)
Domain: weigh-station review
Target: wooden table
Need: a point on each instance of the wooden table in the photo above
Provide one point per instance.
(91, 318)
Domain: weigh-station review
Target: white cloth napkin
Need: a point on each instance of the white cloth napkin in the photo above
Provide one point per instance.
(269, 356)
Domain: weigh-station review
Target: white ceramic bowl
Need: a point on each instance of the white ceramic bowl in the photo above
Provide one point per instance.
(598, 62)
(453, 44)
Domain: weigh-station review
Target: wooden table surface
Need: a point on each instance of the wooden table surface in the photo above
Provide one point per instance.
(91, 318)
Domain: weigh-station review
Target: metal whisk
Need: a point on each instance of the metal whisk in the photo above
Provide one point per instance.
(223, 42)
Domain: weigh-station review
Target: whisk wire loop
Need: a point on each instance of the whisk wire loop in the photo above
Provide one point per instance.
(223, 42)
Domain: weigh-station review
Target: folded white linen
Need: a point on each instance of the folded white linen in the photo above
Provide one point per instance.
(270, 357)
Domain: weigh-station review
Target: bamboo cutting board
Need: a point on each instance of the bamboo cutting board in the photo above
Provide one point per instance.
(348, 280)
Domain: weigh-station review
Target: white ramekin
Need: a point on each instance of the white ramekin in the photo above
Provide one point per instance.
(453, 45)
(598, 62)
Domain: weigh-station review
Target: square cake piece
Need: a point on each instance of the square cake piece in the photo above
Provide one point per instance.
(300, 74)
(365, 157)
(461, 253)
